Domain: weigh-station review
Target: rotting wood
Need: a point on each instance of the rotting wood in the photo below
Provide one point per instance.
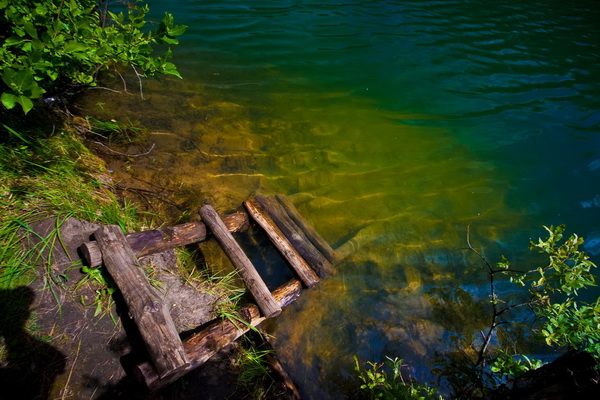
(145, 305)
(263, 297)
(201, 346)
(311, 233)
(153, 241)
(296, 236)
(305, 273)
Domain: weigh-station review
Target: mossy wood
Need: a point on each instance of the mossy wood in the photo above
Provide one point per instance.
(251, 277)
(303, 270)
(295, 235)
(201, 346)
(157, 240)
(145, 306)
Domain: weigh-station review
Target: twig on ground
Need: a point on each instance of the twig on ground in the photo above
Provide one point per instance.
(64, 393)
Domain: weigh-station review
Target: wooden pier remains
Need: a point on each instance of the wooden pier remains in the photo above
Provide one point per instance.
(170, 357)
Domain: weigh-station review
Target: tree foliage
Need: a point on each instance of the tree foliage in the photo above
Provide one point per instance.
(47, 45)
(561, 319)
(567, 320)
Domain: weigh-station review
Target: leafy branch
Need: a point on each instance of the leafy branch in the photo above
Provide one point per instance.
(564, 320)
(49, 46)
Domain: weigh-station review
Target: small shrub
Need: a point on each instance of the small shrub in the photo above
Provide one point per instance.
(49, 45)
(377, 384)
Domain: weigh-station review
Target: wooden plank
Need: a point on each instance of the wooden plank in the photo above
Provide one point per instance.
(201, 346)
(263, 297)
(157, 240)
(145, 305)
(296, 236)
(310, 232)
(305, 273)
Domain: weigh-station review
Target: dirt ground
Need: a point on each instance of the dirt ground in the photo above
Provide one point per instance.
(74, 354)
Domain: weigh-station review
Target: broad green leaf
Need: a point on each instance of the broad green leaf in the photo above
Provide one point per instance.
(9, 100)
(25, 103)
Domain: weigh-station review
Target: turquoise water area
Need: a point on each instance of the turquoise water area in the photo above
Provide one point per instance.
(393, 125)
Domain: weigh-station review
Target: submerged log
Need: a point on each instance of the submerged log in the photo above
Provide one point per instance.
(263, 297)
(305, 273)
(157, 240)
(145, 305)
(296, 236)
(310, 232)
(277, 367)
(201, 346)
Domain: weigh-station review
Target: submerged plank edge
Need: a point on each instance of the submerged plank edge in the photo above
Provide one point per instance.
(285, 248)
(311, 233)
(296, 236)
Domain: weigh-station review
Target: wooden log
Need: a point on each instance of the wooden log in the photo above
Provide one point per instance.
(201, 346)
(263, 297)
(310, 232)
(154, 241)
(145, 305)
(296, 237)
(276, 365)
(305, 273)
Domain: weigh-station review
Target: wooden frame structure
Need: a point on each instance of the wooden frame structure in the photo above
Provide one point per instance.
(170, 357)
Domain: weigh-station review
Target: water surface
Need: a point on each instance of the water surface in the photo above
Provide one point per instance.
(393, 125)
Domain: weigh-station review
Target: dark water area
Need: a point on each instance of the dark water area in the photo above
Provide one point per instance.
(392, 125)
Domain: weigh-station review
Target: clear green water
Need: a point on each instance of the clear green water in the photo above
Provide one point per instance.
(393, 125)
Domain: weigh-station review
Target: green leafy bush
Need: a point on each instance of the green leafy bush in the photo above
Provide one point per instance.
(377, 384)
(484, 359)
(48, 45)
(568, 321)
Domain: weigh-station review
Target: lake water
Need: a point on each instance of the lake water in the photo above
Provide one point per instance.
(393, 126)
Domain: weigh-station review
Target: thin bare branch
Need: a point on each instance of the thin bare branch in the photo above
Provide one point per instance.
(122, 79)
(125, 154)
(109, 89)
(139, 76)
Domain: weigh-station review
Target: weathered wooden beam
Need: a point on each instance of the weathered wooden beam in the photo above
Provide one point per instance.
(311, 233)
(201, 346)
(305, 273)
(145, 305)
(257, 287)
(296, 236)
(154, 241)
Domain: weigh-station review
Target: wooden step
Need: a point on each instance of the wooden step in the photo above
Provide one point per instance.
(296, 236)
(157, 240)
(201, 346)
(263, 297)
(303, 270)
(145, 306)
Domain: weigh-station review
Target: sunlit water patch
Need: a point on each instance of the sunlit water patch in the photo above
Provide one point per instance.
(392, 126)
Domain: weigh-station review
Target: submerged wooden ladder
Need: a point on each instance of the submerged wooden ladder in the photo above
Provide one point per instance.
(301, 246)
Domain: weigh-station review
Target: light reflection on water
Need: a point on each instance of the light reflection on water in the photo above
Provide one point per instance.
(392, 126)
